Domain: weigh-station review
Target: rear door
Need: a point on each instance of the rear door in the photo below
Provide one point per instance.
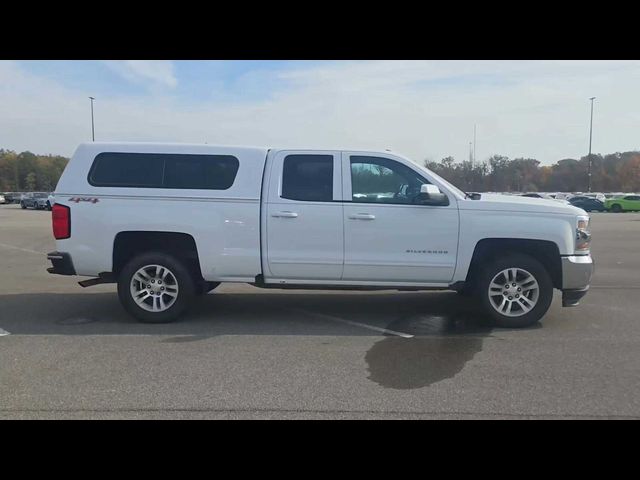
(303, 217)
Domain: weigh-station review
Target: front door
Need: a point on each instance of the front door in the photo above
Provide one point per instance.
(388, 237)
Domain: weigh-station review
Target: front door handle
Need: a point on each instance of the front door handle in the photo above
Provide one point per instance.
(362, 216)
(285, 215)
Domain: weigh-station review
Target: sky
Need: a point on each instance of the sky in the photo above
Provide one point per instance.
(422, 109)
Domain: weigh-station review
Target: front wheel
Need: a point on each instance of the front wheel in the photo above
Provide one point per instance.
(616, 208)
(516, 290)
(23, 206)
(155, 287)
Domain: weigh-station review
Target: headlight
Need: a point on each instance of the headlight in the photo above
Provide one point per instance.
(583, 235)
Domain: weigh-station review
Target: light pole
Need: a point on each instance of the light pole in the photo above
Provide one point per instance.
(590, 136)
(93, 132)
(474, 143)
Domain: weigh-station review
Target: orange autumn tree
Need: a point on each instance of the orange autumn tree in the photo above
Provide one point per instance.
(629, 174)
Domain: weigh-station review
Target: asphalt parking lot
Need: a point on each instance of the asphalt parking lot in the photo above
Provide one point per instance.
(243, 352)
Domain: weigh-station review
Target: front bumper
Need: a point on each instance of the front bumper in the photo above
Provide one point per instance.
(577, 271)
(571, 298)
(62, 264)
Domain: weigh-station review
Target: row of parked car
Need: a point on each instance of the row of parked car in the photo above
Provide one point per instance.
(595, 202)
(36, 200)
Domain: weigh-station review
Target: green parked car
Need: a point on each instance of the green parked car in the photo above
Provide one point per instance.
(626, 203)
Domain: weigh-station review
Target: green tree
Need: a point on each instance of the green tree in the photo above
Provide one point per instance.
(27, 171)
(30, 181)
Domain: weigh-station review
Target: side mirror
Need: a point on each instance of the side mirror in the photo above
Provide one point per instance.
(429, 189)
(431, 195)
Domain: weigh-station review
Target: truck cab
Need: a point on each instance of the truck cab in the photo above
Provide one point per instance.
(170, 221)
(355, 218)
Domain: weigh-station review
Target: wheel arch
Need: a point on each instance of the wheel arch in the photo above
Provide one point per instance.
(545, 251)
(128, 244)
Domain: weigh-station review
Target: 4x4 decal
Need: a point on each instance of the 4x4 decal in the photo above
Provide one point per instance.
(84, 199)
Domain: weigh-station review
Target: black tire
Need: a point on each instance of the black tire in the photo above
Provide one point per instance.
(48, 206)
(183, 279)
(616, 208)
(23, 206)
(524, 262)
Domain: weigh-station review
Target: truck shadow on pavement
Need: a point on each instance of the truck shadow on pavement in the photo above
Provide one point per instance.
(442, 331)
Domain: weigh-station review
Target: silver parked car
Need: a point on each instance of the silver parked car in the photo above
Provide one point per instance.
(37, 200)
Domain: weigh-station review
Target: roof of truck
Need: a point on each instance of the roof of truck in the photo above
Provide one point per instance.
(172, 145)
(147, 146)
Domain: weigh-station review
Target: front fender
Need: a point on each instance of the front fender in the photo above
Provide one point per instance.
(477, 225)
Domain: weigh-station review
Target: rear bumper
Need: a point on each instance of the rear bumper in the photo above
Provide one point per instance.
(577, 271)
(62, 263)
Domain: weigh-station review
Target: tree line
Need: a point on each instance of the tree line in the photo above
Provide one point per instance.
(28, 172)
(615, 172)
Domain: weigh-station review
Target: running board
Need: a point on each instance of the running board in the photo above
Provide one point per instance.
(106, 277)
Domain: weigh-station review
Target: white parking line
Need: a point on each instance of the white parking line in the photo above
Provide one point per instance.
(616, 287)
(3, 332)
(97, 335)
(21, 249)
(349, 322)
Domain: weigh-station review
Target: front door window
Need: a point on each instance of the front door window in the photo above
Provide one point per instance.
(381, 180)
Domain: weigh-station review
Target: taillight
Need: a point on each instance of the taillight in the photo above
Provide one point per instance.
(61, 220)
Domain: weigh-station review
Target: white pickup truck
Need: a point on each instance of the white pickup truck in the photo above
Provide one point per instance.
(171, 221)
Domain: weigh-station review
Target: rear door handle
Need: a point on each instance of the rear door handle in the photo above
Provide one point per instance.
(362, 216)
(285, 215)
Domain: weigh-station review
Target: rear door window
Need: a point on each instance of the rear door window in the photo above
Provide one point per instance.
(308, 178)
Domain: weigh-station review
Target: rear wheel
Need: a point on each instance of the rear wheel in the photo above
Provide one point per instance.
(516, 290)
(23, 206)
(155, 287)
